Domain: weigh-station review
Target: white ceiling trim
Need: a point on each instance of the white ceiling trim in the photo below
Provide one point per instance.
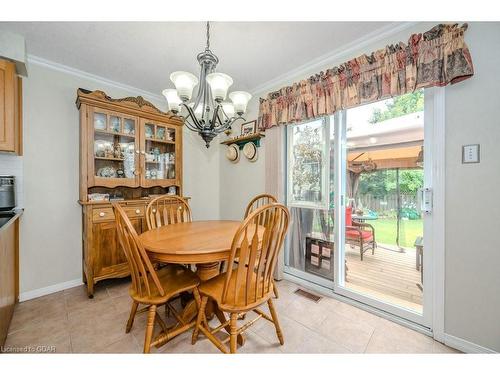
(330, 58)
(92, 77)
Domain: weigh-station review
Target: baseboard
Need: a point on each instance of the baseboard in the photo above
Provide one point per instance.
(25, 296)
(465, 346)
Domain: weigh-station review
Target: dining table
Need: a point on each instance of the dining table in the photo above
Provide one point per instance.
(203, 243)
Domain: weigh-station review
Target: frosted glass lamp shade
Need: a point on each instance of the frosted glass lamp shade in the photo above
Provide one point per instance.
(228, 109)
(184, 83)
(173, 100)
(240, 100)
(219, 84)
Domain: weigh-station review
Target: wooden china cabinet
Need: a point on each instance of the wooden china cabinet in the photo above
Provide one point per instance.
(131, 151)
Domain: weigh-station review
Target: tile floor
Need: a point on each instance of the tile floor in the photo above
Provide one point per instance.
(70, 322)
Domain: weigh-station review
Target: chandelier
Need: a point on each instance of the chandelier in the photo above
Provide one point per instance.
(209, 114)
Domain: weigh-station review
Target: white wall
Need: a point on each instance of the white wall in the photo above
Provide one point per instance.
(472, 308)
(472, 302)
(50, 243)
(242, 181)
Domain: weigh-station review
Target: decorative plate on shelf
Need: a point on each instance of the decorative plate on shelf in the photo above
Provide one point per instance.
(160, 133)
(233, 153)
(100, 148)
(99, 121)
(129, 127)
(149, 131)
(250, 151)
(115, 124)
(107, 172)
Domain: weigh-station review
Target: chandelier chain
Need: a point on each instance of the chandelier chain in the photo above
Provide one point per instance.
(206, 115)
(208, 36)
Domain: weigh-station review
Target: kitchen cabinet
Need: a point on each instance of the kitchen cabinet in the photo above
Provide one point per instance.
(10, 108)
(9, 269)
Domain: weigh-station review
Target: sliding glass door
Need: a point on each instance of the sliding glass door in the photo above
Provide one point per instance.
(310, 197)
(355, 182)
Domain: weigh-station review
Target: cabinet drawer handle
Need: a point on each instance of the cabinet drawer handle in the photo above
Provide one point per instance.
(143, 152)
(137, 211)
(101, 214)
(137, 151)
(154, 210)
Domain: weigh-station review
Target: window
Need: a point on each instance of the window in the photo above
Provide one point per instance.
(308, 163)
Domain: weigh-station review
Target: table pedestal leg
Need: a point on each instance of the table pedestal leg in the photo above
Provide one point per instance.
(205, 271)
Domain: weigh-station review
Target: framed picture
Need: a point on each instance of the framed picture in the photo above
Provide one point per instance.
(249, 128)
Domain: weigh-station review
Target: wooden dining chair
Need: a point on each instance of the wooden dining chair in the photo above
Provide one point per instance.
(260, 201)
(151, 287)
(167, 209)
(246, 285)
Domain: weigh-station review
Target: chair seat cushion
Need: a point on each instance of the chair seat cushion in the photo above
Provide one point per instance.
(174, 279)
(354, 234)
(214, 287)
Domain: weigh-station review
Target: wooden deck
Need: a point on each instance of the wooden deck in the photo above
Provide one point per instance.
(388, 275)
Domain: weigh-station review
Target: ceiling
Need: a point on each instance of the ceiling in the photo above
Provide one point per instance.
(143, 54)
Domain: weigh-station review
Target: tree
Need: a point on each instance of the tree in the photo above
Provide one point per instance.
(307, 159)
(383, 182)
(399, 106)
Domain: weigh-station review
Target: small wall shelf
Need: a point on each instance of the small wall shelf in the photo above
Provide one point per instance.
(242, 140)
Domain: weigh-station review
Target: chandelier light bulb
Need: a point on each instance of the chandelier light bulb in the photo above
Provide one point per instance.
(209, 114)
(240, 100)
(219, 84)
(228, 108)
(184, 83)
(173, 100)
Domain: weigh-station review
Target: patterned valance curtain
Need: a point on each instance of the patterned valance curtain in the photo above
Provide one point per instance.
(435, 58)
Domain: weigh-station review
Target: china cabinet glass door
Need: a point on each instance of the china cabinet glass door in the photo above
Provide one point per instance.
(114, 157)
(159, 154)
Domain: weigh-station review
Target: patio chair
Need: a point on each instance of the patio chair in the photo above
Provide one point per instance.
(359, 234)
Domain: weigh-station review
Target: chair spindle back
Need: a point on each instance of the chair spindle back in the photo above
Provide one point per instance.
(259, 201)
(167, 209)
(141, 269)
(254, 253)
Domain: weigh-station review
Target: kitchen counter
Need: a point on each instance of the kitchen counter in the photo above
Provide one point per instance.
(7, 218)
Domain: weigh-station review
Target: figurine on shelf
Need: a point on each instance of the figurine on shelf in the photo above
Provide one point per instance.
(156, 153)
(108, 150)
(118, 151)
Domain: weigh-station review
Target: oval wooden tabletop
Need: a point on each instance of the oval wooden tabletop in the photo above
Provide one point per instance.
(195, 242)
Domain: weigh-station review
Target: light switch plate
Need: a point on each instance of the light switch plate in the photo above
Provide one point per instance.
(470, 154)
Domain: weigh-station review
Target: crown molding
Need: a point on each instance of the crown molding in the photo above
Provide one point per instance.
(35, 60)
(346, 51)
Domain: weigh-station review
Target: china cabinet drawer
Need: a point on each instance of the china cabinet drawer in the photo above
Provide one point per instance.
(102, 214)
(137, 211)
(106, 213)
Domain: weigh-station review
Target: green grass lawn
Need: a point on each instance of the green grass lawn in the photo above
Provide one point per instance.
(385, 231)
